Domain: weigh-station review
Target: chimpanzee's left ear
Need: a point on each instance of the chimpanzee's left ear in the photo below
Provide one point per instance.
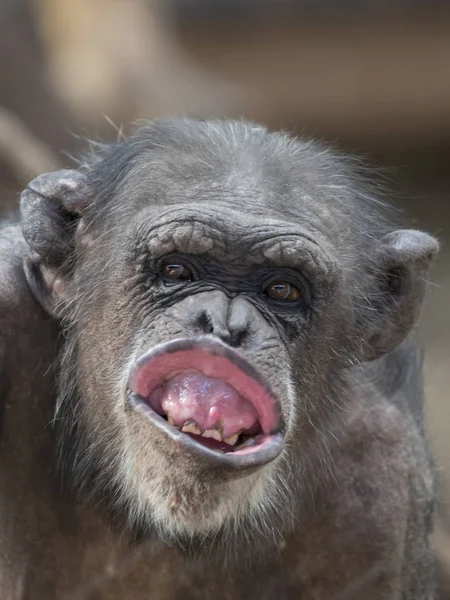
(402, 263)
(51, 208)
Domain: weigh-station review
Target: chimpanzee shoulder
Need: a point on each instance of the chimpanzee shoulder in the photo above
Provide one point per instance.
(23, 324)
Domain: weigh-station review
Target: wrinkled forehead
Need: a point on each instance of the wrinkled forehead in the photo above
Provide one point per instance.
(179, 177)
(249, 190)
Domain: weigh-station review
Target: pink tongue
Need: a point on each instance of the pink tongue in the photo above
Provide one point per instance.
(211, 403)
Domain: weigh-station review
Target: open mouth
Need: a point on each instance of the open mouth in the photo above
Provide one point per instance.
(203, 395)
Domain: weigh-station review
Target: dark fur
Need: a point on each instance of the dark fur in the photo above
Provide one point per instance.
(349, 513)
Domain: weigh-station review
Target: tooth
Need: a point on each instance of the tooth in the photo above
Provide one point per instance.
(170, 420)
(190, 427)
(232, 439)
(212, 433)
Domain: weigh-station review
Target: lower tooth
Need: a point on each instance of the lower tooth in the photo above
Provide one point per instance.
(170, 420)
(212, 433)
(232, 439)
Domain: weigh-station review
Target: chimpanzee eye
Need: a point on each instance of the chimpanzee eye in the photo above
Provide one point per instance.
(283, 291)
(175, 271)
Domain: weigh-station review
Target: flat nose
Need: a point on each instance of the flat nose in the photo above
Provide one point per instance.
(235, 321)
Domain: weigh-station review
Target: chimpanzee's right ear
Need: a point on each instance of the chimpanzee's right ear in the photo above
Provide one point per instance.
(51, 208)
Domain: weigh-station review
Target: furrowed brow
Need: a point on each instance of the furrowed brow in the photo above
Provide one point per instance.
(292, 250)
(186, 235)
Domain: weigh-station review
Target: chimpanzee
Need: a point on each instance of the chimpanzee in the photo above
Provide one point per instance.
(210, 385)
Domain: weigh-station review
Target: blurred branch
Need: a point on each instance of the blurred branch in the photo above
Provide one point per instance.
(121, 58)
(25, 89)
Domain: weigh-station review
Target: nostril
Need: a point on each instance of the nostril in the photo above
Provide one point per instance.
(204, 322)
(237, 338)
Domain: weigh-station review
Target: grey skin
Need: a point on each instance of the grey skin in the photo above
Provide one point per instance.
(97, 500)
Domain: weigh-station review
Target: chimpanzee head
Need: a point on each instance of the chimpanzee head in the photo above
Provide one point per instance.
(215, 285)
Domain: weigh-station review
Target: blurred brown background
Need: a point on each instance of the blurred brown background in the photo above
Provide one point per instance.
(372, 76)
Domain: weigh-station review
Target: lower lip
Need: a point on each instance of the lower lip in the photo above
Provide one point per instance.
(247, 458)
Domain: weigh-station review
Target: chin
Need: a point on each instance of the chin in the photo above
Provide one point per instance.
(193, 448)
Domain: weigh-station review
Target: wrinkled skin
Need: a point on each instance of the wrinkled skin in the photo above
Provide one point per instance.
(96, 498)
